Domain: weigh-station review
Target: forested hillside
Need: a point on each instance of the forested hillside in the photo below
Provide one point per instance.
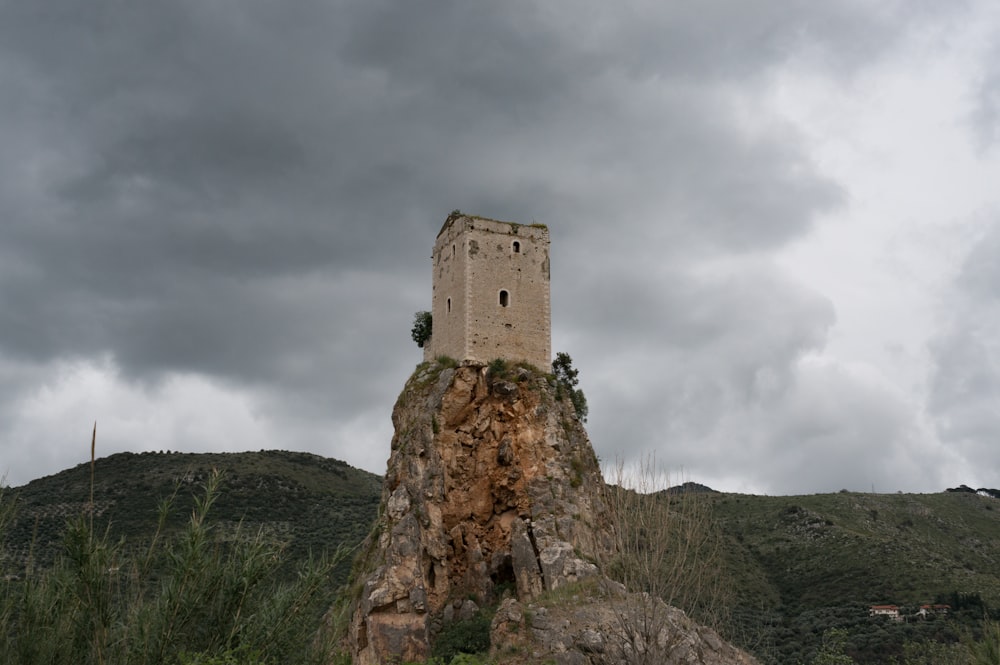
(802, 565)
(311, 504)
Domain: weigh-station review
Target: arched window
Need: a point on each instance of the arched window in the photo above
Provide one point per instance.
(516, 247)
(504, 298)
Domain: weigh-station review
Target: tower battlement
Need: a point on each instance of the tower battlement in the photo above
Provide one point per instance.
(491, 292)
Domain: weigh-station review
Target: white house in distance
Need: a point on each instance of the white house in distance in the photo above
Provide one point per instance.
(891, 611)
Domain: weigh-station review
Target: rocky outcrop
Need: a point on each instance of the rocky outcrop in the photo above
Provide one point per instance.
(598, 623)
(491, 487)
(493, 498)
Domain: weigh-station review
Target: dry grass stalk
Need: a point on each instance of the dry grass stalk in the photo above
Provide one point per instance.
(666, 552)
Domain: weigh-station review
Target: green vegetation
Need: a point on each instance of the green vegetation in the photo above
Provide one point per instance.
(801, 566)
(446, 361)
(195, 597)
(935, 653)
(470, 636)
(497, 368)
(833, 649)
(567, 379)
(792, 579)
(500, 369)
(986, 650)
(773, 574)
(423, 324)
(306, 503)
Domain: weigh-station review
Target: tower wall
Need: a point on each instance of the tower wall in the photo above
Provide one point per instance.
(491, 292)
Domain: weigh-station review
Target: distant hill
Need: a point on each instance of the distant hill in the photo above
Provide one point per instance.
(796, 565)
(799, 565)
(690, 487)
(310, 503)
(985, 491)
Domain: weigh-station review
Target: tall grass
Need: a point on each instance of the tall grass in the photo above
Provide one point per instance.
(986, 651)
(188, 599)
(666, 552)
(665, 543)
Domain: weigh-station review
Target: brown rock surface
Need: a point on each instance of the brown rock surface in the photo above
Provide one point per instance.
(491, 485)
(492, 495)
(597, 623)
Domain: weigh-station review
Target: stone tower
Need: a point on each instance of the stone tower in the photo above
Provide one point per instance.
(491, 292)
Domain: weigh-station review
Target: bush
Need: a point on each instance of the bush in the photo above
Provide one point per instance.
(471, 636)
(567, 379)
(987, 650)
(422, 327)
(497, 368)
(446, 361)
(193, 599)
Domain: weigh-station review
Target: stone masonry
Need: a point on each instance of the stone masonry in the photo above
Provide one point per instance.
(491, 292)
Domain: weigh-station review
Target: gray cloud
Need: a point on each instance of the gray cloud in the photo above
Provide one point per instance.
(200, 159)
(965, 382)
(985, 114)
(694, 361)
(249, 192)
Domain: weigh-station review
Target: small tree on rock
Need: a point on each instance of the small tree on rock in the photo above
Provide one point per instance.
(422, 325)
(567, 380)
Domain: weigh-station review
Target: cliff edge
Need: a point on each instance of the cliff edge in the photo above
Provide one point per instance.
(493, 498)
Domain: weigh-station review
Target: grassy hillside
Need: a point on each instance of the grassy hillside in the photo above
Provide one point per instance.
(796, 566)
(801, 565)
(310, 503)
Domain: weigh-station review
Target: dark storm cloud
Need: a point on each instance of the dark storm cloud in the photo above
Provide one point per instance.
(197, 148)
(249, 190)
(189, 184)
(524, 49)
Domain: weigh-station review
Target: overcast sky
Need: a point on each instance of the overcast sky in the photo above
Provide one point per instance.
(775, 224)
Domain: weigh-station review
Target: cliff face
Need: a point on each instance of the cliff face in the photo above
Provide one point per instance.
(491, 485)
(493, 498)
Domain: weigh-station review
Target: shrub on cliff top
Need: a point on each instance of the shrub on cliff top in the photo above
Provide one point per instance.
(422, 327)
(567, 378)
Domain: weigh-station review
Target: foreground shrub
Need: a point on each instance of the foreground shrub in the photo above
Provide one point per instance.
(471, 636)
(191, 599)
